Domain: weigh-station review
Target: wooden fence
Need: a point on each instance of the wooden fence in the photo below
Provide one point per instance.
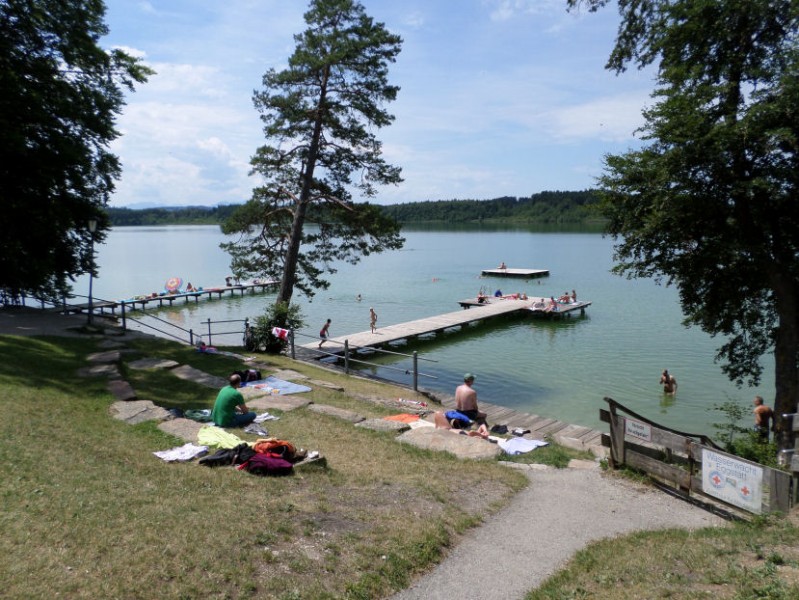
(692, 465)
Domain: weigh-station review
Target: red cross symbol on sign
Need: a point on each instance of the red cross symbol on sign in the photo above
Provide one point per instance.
(745, 491)
(716, 479)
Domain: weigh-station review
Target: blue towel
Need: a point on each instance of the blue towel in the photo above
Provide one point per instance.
(454, 414)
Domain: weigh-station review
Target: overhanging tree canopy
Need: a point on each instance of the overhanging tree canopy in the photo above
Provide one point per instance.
(319, 118)
(711, 202)
(59, 95)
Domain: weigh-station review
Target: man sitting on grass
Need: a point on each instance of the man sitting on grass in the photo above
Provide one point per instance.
(229, 408)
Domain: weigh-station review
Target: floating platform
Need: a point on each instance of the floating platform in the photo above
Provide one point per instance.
(518, 273)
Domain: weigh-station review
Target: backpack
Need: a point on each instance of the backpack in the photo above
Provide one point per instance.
(263, 465)
(249, 375)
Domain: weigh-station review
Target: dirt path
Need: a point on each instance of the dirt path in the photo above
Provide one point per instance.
(560, 512)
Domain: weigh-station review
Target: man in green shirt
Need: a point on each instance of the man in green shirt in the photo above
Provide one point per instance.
(229, 408)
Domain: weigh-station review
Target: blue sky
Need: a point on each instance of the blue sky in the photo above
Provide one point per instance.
(498, 97)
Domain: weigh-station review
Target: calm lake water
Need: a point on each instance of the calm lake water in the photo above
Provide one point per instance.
(560, 369)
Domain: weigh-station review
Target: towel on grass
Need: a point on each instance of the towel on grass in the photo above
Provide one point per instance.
(211, 435)
(182, 453)
(519, 445)
(402, 418)
(277, 386)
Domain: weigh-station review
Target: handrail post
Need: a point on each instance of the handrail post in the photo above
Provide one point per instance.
(124, 322)
(291, 343)
(209, 332)
(415, 371)
(347, 356)
(191, 337)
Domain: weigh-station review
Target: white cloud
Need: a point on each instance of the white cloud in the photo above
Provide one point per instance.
(505, 10)
(613, 119)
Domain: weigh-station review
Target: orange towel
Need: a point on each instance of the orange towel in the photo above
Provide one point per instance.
(403, 418)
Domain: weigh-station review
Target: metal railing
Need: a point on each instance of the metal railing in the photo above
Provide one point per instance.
(348, 352)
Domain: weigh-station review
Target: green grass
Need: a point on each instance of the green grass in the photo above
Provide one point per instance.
(552, 455)
(89, 512)
(757, 560)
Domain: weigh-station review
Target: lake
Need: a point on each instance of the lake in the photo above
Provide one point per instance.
(560, 369)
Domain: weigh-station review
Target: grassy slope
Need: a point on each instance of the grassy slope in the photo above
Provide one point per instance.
(89, 512)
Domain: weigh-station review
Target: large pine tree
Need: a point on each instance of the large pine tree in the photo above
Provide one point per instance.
(319, 117)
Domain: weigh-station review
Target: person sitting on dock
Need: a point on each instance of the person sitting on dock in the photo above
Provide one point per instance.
(190, 287)
(574, 296)
(498, 294)
(466, 400)
(668, 382)
(553, 305)
(481, 297)
(502, 265)
(229, 280)
(229, 407)
(565, 298)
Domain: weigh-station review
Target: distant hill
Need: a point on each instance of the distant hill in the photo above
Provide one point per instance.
(544, 207)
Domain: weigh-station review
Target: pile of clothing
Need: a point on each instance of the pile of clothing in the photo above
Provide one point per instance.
(268, 456)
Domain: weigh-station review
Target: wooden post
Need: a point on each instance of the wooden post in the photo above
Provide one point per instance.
(415, 371)
(291, 343)
(124, 322)
(347, 357)
(209, 332)
(616, 438)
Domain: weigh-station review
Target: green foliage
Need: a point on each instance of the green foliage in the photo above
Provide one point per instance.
(61, 93)
(319, 117)
(743, 441)
(711, 202)
(544, 207)
(185, 215)
(733, 413)
(281, 314)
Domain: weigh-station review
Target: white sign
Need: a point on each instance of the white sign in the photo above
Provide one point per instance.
(734, 481)
(637, 430)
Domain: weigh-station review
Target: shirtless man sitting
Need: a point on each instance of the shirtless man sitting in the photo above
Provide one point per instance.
(466, 400)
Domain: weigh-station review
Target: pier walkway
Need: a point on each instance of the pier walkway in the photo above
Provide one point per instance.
(142, 302)
(422, 327)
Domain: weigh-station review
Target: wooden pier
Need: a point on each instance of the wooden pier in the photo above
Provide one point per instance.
(142, 302)
(422, 327)
(537, 306)
(519, 273)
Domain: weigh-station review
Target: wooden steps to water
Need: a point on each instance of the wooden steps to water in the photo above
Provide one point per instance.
(576, 437)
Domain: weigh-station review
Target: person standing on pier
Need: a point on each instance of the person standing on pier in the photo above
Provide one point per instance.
(324, 332)
(466, 400)
(372, 319)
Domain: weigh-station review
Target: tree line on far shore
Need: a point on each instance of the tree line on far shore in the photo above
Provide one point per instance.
(543, 207)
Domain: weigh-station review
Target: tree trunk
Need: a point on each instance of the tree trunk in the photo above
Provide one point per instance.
(293, 251)
(786, 350)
